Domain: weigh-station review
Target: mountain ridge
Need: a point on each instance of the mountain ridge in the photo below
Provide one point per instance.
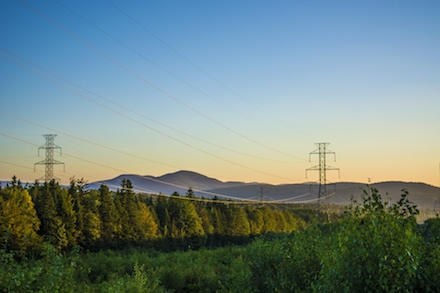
(421, 194)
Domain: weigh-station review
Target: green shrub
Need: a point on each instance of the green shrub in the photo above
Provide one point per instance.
(377, 249)
(141, 281)
(50, 273)
(191, 271)
(286, 265)
(430, 264)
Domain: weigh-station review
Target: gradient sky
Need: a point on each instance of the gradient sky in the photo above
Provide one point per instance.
(235, 90)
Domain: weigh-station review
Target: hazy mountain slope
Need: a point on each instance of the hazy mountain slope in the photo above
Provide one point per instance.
(270, 192)
(195, 180)
(179, 182)
(421, 194)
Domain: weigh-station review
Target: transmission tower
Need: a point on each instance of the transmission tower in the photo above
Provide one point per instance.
(49, 160)
(262, 195)
(322, 151)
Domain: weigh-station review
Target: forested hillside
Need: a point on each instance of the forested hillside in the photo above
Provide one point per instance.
(101, 219)
(374, 246)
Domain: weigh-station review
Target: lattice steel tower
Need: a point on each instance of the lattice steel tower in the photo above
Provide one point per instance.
(322, 168)
(49, 160)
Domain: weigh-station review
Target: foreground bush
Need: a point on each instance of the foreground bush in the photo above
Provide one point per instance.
(376, 247)
(50, 273)
(220, 270)
(286, 265)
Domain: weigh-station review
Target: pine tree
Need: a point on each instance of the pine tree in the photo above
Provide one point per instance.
(127, 209)
(18, 220)
(185, 219)
(281, 223)
(218, 220)
(92, 223)
(206, 223)
(190, 193)
(256, 221)
(238, 224)
(109, 217)
(65, 212)
(270, 224)
(77, 190)
(293, 223)
(52, 227)
(163, 216)
(58, 236)
(147, 224)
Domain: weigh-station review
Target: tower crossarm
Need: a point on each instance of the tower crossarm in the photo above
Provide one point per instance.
(322, 168)
(49, 159)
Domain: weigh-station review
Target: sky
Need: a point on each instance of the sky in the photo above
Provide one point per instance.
(234, 90)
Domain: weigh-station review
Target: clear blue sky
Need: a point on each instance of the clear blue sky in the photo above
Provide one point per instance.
(236, 90)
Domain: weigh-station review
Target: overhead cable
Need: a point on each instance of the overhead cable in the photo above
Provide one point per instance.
(200, 69)
(139, 114)
(140, 123)
(170, 73)
(153, 85)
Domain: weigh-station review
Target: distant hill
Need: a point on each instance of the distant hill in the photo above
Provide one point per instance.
(179, 182)
(196, 180)
(423, 195)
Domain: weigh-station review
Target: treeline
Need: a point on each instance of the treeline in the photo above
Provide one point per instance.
(375, 246)
(103, 219)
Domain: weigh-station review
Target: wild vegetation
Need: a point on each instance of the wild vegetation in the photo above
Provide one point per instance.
(102, 219)
(57, 239)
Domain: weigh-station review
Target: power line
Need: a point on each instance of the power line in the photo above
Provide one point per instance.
(102, 165)
(294, 197)
(124, 171)
(142, 124)
(139, 114)
(205, 72)
(238, 199)
(170, 73)
(16, 165)
(87, 141)
(152, 193)
(151, 84)
(50, 146)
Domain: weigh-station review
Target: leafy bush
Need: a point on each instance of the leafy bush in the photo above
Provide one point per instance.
(51, 273)
(286, 265)
(141, 281)
(377, 249)
(430, 264)
(220, 270)
(191, 271)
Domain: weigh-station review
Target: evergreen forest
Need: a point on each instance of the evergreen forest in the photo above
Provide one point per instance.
(72, 239)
